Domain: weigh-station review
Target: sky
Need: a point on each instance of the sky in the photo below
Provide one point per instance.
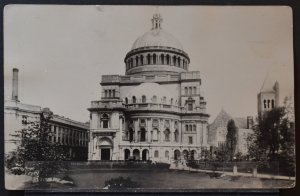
(61, 51)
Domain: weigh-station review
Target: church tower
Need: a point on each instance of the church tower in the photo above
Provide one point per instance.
(268, 97)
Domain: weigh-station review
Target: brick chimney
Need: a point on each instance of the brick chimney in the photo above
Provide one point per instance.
(15, 85)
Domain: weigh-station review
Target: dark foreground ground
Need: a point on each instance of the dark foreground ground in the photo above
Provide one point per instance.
(154, 179)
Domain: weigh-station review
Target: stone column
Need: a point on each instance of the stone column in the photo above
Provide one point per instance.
(136, 129)
(149, 125)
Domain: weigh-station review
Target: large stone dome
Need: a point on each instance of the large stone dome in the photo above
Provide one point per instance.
(156, 52)
(157, 37)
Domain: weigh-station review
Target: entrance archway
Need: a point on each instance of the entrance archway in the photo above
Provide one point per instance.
(136, 154)
(126, 154)
(185, 154)
(145, 155)
(176, 155)
(105, 146)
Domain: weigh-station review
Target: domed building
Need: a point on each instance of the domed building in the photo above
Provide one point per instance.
(153, 112)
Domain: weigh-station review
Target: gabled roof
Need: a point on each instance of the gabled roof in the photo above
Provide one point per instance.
(220, 121)
(268, 84)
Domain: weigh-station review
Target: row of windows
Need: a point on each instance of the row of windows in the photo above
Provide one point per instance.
(269, 104)
(190, 90)
(67, 136)
(154, 134)
(156, 59)
(190, 127)
(110, 93)
(153, 100)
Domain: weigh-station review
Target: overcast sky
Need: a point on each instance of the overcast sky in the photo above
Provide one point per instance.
(62, 51)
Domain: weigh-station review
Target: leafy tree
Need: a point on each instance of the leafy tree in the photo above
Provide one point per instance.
(231, 138)
(273, 140)
(36, 155)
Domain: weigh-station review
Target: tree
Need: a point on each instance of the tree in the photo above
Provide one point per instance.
(231, 138)
(36, 155)
(273, 140)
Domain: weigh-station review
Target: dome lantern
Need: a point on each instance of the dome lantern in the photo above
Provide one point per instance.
(156, 21)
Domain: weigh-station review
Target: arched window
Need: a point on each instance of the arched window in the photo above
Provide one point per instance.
(167, 154)
(131, 63)
(273, 103)
(126, 100)
(143, 135)
(114, 93)
(164, 99)
(265, 104)
(168, 59)
(176, 135)
(194, 127)
(162, 59)
(190, 90)
(137, 61)
(104, 120)
(186, 90)
(195, 90)
(190, 128)
(109, 93)
(142, 59)
(148, 59)
(156, 154)
(190, 107)
(186, 128)
(154, 99)
(143, 99)
(174, 60)
(178, 61)
(133, 99)
(131, 134)
(268, 103)
(167, 135)
(154, 58)
(105, 92)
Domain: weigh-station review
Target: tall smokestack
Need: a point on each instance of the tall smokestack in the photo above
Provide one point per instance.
(15, 85)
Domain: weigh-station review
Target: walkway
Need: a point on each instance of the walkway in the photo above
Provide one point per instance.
(267, 176)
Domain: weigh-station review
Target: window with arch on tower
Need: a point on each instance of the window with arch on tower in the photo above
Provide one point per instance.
(186, 90)
(133, 99)
(144, 99)
(154, 99)
(104, 120)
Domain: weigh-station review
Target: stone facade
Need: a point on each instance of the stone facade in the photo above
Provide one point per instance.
(154, 112)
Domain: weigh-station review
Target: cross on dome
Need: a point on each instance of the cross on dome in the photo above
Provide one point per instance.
(156, 21)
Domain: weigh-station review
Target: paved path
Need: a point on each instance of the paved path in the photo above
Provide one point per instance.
(267, 176)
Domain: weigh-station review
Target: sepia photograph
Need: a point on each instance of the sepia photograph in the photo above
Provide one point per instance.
(135, 98)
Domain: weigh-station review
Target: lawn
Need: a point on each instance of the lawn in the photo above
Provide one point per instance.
(166, 179)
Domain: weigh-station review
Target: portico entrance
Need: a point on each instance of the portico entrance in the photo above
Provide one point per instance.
(105, 148)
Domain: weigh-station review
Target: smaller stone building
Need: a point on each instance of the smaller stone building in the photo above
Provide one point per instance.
(217, 131)
(69, 133)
